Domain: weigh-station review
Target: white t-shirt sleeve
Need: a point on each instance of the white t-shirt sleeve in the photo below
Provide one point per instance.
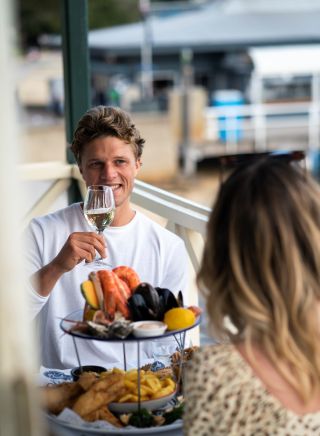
(36, 301)
(33, 241)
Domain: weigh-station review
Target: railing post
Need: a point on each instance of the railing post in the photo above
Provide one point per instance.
(258, 114)
(75, 70)
(189, 164)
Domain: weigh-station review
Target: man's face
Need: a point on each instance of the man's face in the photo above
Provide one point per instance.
(110, 161)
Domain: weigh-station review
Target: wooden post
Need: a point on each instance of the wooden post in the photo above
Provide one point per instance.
(19, 405)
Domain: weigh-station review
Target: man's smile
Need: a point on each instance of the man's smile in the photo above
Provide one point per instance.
(114, 187)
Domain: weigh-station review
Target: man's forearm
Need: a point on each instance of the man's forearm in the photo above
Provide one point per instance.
(44, 280)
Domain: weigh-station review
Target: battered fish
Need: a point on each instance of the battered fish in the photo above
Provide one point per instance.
(55, 398)
(104, 414)
(101, 393)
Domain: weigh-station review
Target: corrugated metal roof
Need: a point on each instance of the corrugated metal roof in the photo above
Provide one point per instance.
(211, 27)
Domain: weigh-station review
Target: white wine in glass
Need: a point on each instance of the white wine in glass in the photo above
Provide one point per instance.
(99, 210)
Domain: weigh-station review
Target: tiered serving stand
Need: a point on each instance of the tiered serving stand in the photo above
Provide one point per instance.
(66, 325)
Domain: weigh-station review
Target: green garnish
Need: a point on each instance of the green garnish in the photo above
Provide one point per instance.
(141, 419)
(174, 414)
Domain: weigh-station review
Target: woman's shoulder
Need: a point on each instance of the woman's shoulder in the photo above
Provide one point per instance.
(217, 354)
(220, 363)
(224, 395)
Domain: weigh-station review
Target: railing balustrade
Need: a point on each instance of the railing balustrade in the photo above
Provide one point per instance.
(259, 122)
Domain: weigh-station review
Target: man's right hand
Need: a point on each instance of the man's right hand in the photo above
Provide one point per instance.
(78, 247)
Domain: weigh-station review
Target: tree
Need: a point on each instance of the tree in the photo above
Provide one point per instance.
(107, 13)
(36, 18)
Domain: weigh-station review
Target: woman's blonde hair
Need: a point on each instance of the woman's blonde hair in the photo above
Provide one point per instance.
(261, 267)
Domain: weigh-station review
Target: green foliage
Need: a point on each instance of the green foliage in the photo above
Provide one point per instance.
(106, 13)
(36, 17)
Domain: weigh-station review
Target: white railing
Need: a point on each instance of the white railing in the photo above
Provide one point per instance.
(260, 123)
(183, 217)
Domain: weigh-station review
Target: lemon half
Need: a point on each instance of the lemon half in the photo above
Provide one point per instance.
(179, 318)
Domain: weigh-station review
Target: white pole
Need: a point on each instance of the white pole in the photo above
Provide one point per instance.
(259, 116)
(314, 127)
(146, 52)
(19, 411)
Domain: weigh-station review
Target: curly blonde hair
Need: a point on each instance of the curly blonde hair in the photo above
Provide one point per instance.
(102, 121)
(261, 267)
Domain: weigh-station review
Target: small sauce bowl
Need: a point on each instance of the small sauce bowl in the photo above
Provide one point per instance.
(148, 329)
(76, 372)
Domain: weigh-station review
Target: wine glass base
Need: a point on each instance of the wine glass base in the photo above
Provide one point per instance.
(99, 264)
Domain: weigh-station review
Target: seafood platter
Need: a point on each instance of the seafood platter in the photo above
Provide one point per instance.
(118, 306)
(145, 400)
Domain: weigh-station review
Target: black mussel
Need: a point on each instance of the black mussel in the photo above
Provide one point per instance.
(180, 299)
(151, 297)
(139, 309)
(167, 301)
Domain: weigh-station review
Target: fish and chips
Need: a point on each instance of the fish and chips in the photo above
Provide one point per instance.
(103, 414)
(100, 394)
(90, 396)
(152, 386)
(57, 397)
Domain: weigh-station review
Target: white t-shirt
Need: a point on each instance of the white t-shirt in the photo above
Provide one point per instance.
(157, 255)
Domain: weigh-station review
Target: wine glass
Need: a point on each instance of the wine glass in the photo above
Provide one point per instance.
(99, 210)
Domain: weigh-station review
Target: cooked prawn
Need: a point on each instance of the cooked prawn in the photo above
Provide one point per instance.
(123, 287)
(113, 298)
(97, 286)
(128, 275)
(195, 309)
(109, 288)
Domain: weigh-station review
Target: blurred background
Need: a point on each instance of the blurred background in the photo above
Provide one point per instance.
(201, 78)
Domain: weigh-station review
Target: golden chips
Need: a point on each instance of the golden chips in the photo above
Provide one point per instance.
(151, 386)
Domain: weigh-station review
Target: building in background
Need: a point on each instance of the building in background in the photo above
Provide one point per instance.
(214, 46)
(219, 34)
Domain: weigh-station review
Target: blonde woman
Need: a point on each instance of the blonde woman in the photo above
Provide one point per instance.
(260, 274)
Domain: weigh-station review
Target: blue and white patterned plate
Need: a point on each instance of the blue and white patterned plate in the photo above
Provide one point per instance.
(56, 376)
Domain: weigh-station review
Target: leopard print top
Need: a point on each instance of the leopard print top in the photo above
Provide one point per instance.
(224, 397)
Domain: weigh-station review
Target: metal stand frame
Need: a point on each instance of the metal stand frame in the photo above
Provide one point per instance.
(180, 338)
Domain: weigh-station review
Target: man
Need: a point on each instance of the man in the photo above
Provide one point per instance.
(108, 150)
